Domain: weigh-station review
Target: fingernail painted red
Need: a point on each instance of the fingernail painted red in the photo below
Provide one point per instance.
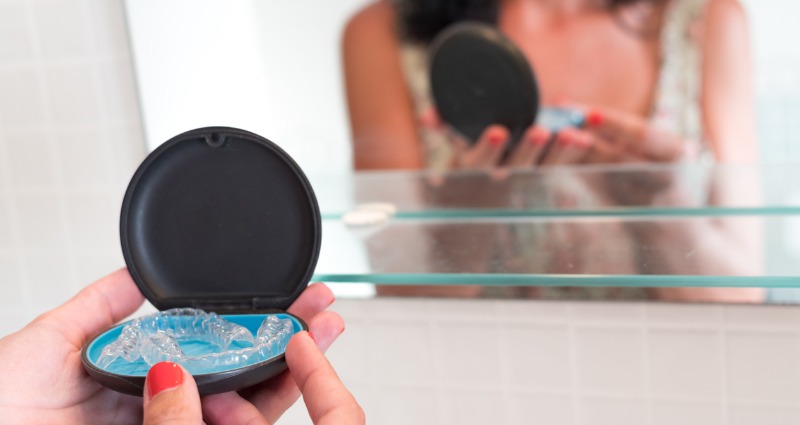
(310, 335)
(162, 376)
(594, 118)
(496, 139)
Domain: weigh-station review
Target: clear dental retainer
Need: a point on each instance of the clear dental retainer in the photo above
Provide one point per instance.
(220, 230)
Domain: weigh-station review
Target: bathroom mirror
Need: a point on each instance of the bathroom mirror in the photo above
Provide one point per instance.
(278, 69)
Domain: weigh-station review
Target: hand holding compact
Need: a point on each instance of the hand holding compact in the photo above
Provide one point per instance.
(490, 150)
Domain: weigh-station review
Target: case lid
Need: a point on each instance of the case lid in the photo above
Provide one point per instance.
(220, 219)
(479, 78)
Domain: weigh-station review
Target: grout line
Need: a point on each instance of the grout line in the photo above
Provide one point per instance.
(64, 61)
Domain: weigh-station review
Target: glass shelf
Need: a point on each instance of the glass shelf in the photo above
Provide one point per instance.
(636, 190)
(733, 251)
(688, 225)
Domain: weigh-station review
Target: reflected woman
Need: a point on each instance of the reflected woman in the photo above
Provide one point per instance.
(660, 80)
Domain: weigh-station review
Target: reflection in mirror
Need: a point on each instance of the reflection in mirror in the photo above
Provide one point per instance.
(663, 89)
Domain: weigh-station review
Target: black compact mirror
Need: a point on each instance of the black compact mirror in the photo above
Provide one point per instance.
(478, 78)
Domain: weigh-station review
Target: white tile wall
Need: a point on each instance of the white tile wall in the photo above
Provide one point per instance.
(70, 137)
(515, 362)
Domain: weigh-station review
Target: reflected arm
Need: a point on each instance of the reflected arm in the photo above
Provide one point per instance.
(382, 119)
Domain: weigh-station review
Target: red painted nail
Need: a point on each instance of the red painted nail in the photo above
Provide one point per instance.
(163, 376)
(310, 335)
(594, 118)
(496, 139)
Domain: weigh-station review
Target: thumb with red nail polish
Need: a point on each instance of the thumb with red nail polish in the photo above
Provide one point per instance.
(171, 396)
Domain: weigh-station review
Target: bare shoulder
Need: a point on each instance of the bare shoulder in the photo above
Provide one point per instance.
(725, 16)
(726, 38)
(374, 20)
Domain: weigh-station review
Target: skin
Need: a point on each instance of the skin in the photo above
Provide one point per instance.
(581, 56)
(51, 386)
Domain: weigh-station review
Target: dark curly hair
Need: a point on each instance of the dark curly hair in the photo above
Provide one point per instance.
(421, 20)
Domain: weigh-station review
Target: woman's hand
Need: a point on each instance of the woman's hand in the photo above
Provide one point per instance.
(615, 136)
(43, 380)
(488, 151)
(171, 395)
(610, 136)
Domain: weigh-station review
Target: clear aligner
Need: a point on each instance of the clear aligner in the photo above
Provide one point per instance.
(154, 338)
(183, 323)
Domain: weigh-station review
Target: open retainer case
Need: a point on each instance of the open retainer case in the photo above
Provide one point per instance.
(216, 220)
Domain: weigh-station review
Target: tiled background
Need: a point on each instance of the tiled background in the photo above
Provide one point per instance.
(523, 362)
(70, 137)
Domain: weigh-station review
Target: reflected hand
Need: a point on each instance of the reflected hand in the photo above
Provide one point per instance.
(614, 136)
(43, 380)
(488, 152)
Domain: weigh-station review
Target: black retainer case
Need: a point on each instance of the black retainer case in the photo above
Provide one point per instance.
(223, 220)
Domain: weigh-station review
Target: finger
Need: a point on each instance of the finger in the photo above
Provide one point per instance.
(602, 152)
(614, 125)
(314, 299)
(634, 135)
(326, 398)
(231, 409)
(488, 150)
(429, 118)
(274, 397)
(109, 300)
(530, 148)
(273, 400)
(171, 396)
(661, 146)
(569, 147)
